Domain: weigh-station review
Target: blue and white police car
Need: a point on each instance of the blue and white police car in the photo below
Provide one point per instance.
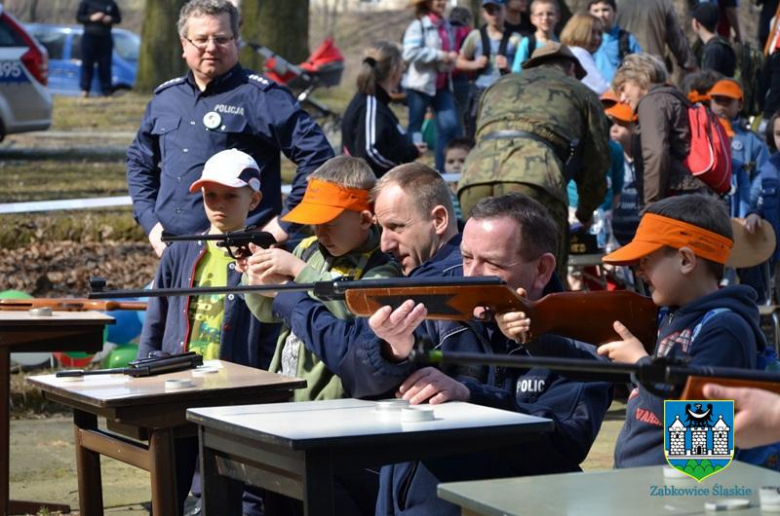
(25, 103)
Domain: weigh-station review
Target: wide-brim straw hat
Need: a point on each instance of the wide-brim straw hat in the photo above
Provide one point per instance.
(554, 50)
(750, 250)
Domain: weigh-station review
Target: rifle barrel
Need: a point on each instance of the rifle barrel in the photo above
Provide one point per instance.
(517, 362)
(191, 238)
(660, 370)
(336, 287)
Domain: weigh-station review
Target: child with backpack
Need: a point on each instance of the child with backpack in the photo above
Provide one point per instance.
(487, 52)
(545, 15)
(616, 43)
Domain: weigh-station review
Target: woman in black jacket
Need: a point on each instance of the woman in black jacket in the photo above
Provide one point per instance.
(369, 128)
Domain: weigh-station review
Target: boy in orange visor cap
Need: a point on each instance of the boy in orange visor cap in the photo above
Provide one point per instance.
(680, 248)
(346, 243)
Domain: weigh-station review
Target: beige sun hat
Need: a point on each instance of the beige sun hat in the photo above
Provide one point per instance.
(750, 250)
(554, 50)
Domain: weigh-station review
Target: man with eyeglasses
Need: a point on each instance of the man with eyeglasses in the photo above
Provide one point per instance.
(218, 105)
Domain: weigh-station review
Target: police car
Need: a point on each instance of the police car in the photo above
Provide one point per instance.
(25, 103)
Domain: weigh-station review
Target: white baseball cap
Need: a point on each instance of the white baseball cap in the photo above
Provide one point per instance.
(231, 168)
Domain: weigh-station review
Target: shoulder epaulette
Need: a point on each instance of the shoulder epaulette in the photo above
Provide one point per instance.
(168, 84)
(259, 81)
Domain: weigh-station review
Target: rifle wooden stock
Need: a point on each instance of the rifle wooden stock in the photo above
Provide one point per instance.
(694, 386)
(70, 304)
(585, 316)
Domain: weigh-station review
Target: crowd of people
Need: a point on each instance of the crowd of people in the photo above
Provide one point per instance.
(564, 124)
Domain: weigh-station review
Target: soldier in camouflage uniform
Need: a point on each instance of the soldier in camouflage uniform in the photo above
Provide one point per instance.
(533, 127)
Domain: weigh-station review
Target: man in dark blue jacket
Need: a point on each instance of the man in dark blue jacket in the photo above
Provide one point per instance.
(97, 45)
(218, 105)
(511, 237)
(373, 364)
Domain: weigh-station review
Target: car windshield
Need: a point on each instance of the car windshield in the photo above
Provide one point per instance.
(127, 45)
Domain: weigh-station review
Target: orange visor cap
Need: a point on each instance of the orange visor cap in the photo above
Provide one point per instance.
(324, 201)
(609, 99)
(621, 112)
(726, 88)
(655, 232)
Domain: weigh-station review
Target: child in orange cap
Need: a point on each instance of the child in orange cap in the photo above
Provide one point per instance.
(749, 154)
(346, 243)
(680, 249)
(625, 215)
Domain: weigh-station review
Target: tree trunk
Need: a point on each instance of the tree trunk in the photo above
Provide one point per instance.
(160, 55)
(281, 25)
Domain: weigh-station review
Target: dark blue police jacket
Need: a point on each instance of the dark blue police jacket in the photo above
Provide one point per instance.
(183, 127)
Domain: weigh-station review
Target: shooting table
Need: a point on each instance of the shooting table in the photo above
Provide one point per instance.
(606, 493)
(21, 332)
(141, 409)
(296, 448)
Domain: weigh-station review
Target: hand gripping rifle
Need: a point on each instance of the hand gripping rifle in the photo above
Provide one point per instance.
(66, 304)
(585, 316)
(666, 378)
(235, 242)
(143, 366)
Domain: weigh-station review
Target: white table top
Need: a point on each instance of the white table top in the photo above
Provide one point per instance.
(120, 390)
(323, 421)
(633, 491)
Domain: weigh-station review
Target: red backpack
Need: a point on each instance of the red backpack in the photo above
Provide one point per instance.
(710, 156)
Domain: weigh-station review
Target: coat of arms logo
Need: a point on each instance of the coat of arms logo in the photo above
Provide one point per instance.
(698, 436)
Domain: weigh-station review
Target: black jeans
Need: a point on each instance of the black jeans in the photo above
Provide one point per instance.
(96, 49)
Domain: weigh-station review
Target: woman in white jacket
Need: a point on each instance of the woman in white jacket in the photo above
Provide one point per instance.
(582, 34)
(430, 54)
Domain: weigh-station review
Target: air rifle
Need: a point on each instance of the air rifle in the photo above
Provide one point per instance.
(235, 242)
(143, 367)
(664, 377)
(66, 304)
(585, 316)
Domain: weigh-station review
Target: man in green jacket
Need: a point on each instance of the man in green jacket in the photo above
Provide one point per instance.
(535, 131)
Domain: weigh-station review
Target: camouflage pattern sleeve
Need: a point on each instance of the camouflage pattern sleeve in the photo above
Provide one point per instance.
(592, 179)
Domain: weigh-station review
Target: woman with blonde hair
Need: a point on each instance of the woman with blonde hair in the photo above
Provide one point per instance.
(662, 139)
(430, 53)
(582, 34)
(369, 128)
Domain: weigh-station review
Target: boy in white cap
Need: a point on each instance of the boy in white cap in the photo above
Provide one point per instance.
(216, 326)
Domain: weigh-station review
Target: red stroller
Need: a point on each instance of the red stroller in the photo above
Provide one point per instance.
(323, 68)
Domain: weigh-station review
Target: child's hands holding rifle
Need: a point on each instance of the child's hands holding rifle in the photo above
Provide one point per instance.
(269, 266)
(627, 351)
(514, 325)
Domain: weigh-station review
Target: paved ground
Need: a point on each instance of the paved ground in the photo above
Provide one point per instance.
(43, 465)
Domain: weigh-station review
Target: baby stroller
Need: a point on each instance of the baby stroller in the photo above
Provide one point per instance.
(323, 68)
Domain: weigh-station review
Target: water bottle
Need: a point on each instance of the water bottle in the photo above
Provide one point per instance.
(599, 228)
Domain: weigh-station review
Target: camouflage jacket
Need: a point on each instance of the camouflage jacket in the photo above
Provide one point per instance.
(559, 109)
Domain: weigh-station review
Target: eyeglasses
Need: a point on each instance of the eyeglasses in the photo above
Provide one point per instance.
(202, 43)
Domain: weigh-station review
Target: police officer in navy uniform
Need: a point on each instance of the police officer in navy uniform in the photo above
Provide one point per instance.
(97, 46)
(216, 106)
